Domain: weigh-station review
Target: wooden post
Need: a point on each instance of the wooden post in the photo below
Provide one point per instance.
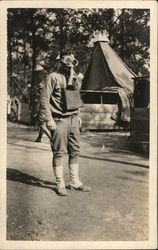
(101, 98)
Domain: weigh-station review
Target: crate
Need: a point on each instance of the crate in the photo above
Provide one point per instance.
(139, 136)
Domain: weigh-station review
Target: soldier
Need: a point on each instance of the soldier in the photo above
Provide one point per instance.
(40, 78)
(15, 109)
(60, 103)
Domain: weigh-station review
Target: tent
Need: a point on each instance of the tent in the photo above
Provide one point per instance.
(107, 80)
(107, 70)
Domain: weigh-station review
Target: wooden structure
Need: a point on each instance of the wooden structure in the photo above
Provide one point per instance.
(139, 137)
(98, 108)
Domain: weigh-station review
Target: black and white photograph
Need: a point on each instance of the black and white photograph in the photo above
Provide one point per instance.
(79, 109)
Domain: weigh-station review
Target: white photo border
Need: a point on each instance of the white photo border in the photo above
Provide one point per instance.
(152, 242)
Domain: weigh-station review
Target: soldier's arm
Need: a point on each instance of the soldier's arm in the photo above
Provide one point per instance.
(45, 114)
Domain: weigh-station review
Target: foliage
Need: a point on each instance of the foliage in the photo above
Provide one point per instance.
(38, 35)
(132, 39)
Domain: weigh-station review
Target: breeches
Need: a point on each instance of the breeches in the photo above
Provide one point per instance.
(65, 140)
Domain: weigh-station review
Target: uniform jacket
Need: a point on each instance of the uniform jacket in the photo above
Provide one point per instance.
(52, 100)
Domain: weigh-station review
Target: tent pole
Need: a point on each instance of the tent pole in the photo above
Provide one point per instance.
(101, 99)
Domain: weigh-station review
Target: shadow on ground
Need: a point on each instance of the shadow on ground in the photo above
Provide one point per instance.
(127, 161)
(116, 161)
(18, 176)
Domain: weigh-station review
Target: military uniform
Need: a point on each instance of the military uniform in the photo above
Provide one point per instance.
(65, 138)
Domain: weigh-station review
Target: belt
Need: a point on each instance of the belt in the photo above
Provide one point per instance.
(61, 116)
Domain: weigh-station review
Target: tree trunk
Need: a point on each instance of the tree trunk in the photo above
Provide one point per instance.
(61, 29)
(24, 60)
(18, 66)
(122, 37)
(111, 21)
(33, 67)
(10, 68)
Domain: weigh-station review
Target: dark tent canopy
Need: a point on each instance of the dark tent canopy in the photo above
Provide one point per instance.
(106, 69)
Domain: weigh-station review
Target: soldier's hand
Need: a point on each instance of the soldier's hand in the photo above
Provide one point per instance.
(51, 125)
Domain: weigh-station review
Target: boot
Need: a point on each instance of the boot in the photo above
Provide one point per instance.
(75, 183)
(58, 171)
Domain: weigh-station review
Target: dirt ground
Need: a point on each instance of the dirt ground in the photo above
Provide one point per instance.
(115, 210)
